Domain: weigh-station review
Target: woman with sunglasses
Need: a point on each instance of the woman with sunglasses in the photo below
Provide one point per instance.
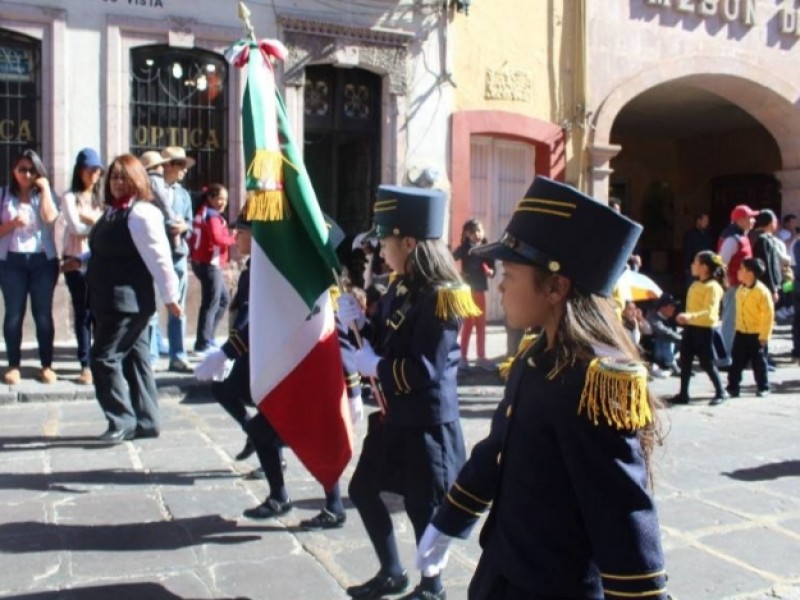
(28, 261)
(82, 207)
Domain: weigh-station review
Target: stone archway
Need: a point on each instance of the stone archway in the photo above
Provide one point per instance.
(771, 100)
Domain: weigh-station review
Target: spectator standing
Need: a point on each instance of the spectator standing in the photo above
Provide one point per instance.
(734, 247)
(788, 229)
(28, 261)
(179, 206)
(766, 247)
(209, 252)
(696, 239)
(129, 253)
(82, 207)
(476, 272)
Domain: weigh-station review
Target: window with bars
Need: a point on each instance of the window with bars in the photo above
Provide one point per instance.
(20, 98)
(178, 98)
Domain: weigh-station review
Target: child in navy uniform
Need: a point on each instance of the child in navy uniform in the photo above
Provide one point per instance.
(564, 471)
(234, 396)
(416, 448)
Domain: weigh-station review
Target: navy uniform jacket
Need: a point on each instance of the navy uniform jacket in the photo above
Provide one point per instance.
(570, 514)
(238, 341)
(420, 358)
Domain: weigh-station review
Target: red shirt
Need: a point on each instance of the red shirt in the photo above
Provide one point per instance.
(210, 238)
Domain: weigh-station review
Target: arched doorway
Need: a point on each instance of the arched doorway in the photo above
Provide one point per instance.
(342, 141)
(685, 151)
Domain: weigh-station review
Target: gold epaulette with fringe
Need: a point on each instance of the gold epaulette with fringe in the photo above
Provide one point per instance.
(524, 344)
(617, 391)
(455, 301)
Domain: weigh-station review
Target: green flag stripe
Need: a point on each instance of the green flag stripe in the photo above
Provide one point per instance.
(298, 245)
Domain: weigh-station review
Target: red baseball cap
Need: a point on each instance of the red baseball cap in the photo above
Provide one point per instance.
(742, 211)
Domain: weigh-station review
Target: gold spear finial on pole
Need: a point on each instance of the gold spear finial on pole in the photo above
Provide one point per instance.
(244, 15)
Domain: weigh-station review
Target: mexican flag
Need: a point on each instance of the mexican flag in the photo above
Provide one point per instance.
(296, 375)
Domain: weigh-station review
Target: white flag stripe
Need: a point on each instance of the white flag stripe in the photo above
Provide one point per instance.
(281, 332)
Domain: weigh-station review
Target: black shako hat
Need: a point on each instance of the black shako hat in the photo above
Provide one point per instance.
(411, 212)
(569, 233)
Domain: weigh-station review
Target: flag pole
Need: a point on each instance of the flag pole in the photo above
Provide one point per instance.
(244, 15)
(373, 383)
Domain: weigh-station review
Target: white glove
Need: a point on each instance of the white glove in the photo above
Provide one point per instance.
(367, 361)
(350, 312)
(212, 367)
(356, 409)
(432, 552)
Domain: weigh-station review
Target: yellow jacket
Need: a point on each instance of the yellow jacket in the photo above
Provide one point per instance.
(755, 312)
(702, 303)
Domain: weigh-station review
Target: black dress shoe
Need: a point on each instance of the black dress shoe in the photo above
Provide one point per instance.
(116, 436)
(180, 366)
(420, 594)
(246, 452)
(269, 509)
(141, 432)
(324, 520)
(678, 399)
(378, 586)
(719, 399)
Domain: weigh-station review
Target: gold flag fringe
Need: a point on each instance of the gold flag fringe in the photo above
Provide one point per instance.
(455, 302)
(619, 390)
(267, 204)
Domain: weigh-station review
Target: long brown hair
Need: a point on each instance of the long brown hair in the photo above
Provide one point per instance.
(134, 173)
(431, 263)
(589, 321)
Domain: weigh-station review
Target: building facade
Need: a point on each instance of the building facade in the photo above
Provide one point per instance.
(693, 108)
(365, 87)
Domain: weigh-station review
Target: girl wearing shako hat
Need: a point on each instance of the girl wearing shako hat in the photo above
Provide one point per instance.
(565, 470)
(414, 445)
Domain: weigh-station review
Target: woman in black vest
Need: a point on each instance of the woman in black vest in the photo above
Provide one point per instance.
(128, 251)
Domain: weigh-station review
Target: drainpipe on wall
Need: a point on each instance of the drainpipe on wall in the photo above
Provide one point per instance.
(581, 92)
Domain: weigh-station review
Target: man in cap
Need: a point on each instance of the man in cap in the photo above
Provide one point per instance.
(734, 246)
(179, 203)
(564, 470)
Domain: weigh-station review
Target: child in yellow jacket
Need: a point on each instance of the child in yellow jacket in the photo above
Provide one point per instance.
(755, 315)
(699, 320)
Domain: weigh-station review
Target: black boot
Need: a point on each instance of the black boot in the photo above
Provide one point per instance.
(379, 585)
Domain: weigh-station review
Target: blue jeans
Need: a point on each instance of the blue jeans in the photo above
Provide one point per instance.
(728, 326)
(664, 352)
(176, 327)
(213, 303)
(76, 283)
(21, 275)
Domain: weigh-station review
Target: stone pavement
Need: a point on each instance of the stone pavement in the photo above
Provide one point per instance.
(161, 518)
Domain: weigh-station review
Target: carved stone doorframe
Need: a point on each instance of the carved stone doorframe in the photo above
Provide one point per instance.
(381, 51)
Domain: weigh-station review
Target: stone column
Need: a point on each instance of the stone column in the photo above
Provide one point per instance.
(600, 156)
(790, 190)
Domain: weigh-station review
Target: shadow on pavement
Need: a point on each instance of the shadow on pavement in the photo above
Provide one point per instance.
(776, 470)
(44, 442)
(60, 482)
(118, 591)
(33, 536)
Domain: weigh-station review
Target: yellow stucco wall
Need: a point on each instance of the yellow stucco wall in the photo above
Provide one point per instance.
(533, 42)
